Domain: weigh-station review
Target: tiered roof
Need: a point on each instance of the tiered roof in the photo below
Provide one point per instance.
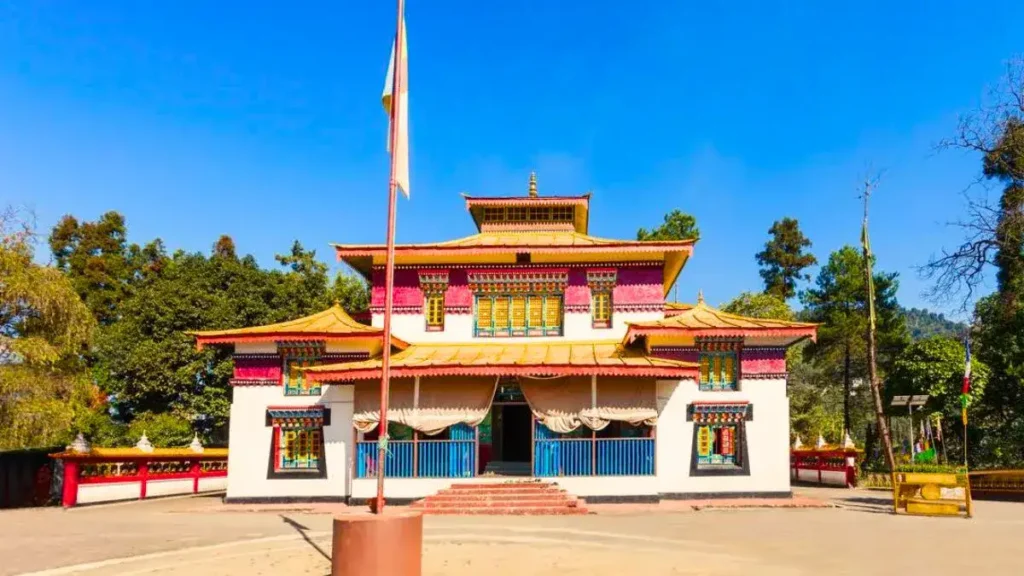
(331, 324)
(687, 321)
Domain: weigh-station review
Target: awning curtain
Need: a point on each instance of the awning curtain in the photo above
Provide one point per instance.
(441, 402)
(564, 404)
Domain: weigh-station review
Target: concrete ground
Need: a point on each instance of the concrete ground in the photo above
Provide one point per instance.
(199, 536)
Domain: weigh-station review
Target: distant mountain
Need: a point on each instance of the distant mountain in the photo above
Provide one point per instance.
(924, 324)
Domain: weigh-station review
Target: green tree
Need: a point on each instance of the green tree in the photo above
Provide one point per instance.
(783, 259)
(935, 366)
(759, 305)
(351, 291)
(162, 430)
(838, 301)
(44, 328)
(677, 226)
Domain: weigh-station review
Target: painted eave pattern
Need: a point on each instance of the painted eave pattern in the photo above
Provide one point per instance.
(601, 358)
(138, 453)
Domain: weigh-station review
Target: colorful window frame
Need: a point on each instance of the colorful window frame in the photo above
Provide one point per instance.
(504, 315)
(297, 449)
(719, 365)
(529, 214)
(295, 381)
(719, 438)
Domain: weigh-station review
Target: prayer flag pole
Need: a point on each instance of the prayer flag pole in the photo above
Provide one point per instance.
(395, 146)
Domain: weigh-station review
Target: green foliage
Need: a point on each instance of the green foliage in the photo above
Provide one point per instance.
(677, 226)
(838, 301)
(101, 430)
(165, 430)
(760, 305)
(44, 327)
(351, 291)
(935, 366)
(924, 324)
(997, 421)
(783, 259)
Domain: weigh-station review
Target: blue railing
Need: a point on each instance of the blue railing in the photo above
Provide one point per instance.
(423, 459)
(625, 457)
(554, 456)
(563, 457)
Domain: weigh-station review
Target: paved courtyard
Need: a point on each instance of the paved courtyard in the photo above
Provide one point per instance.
(197, 536)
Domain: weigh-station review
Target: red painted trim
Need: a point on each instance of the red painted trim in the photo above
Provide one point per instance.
(721, 402)
(612, 247)
(195, 477)
(635, 332)
(277, 447)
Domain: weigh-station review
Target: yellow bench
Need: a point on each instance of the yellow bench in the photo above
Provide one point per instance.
(920, 493)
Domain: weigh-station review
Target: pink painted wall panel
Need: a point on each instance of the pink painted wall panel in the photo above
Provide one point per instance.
(639, 286)
(577, 292)
(686, 355)
(763, 361)
(260, 368)
(458, 294)
(407, 288)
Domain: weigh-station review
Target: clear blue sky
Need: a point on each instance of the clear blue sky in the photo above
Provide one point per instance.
(262, 120)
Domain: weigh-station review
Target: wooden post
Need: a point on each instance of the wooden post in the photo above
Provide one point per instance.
(593, 453)
(69, 496)
(476, 450)
(144, 475)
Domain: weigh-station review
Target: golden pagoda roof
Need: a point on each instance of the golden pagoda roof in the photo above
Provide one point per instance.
(703, 320)
(601, 358)
(331, 324)
(501, 247)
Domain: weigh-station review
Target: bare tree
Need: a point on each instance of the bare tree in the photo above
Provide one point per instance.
(990, 228)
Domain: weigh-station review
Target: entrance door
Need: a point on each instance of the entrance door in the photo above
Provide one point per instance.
(515, 434)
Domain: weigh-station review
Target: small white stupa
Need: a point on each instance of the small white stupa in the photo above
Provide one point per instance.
(798, 444)
(80, 445)
(196, 445)
(821, 441)
(847, 441)
(144, 444)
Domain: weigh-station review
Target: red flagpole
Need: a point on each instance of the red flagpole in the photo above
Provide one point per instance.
(389, 262)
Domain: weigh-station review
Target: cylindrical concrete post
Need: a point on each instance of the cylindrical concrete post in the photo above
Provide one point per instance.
(388, 544)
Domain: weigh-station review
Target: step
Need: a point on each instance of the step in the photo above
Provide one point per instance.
(545, 496)
(511, 486)
(431, 504)
(524, 511)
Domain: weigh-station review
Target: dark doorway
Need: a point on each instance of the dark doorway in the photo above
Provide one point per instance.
(515, 434)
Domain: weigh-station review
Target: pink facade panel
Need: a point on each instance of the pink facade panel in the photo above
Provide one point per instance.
(458, 294)
(639, 286)
(763, 361)
(577, 293)
(261, 367)
(407, 288)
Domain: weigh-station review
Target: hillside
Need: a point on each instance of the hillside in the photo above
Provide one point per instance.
(924, 324)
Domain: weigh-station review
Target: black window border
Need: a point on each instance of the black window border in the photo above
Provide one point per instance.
(320, 472)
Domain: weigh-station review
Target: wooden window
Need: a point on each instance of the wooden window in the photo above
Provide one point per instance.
(295, 383)
(435, 311)
(518, 315)
(718, 445)
(539, 214)
(562, 213)
(494, 214)
(517, 213)
(602, 309)
(298, 448)
(718, 370)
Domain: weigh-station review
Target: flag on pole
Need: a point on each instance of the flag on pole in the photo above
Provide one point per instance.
(964, 397)
(397, 108)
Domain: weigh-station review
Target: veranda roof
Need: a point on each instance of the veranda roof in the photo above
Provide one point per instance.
(600, 358)
(331, 324)
(689, 320)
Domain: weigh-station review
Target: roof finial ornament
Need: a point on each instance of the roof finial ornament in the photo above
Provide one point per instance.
(700, 296)
(533, 184)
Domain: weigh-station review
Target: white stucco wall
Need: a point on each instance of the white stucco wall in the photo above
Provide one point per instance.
(767, 438)
(251, 445)
(459, 328)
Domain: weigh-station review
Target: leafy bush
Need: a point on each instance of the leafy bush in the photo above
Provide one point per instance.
(164, 430)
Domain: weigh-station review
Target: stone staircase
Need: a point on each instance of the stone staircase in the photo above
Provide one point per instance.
(505, 498)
